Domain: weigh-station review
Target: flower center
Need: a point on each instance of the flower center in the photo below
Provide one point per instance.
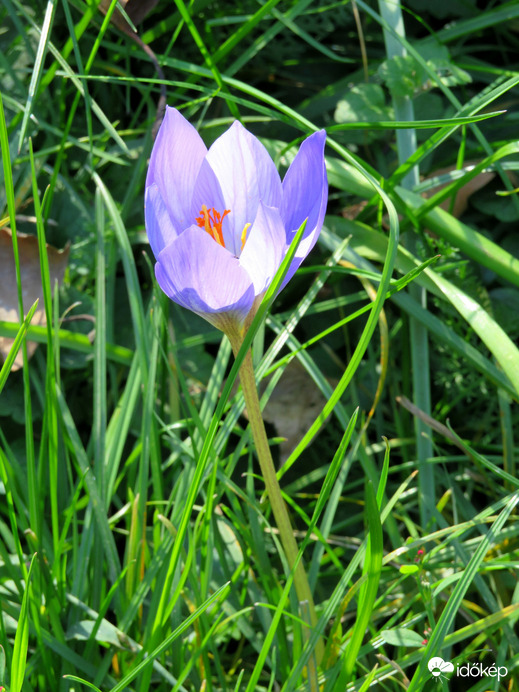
(211, 221)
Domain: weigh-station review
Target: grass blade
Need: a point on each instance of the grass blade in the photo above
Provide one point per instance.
(22, 331)
(21, 640)
(37, 67)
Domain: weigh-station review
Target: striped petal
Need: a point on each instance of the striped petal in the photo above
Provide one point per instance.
(204, 277)
(159, 226)
(175, 161)
(265, 248)
(305, 196)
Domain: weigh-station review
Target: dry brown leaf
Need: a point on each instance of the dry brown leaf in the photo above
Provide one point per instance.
(31, 283)
(463, 194)
(354, 210)
(293, 406)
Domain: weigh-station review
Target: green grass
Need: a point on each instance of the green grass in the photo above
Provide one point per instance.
(137, 548)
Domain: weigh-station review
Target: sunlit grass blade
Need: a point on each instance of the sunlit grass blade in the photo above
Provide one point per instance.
(37, 67)
(73, 340)
(21, 641)
(82, 682)
(414, 124)
(484, 626)
(100, 404)
(13, 351)
(396, 286)
(16, 521)
(493, 16)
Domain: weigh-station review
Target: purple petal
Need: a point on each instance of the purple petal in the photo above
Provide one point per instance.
(265, 248)
(246, 174)
(305, 187)
(159, 227)
(175, 161)
(199, 274)
(305, 196)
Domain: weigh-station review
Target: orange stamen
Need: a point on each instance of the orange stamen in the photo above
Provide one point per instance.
(211, 221)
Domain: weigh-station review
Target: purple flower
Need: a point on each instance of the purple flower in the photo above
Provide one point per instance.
(220, 221)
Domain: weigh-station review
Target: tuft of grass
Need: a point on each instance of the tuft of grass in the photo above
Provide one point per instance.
(137, 549)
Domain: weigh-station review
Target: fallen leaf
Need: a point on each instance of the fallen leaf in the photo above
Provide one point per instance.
(31, 283)
(463, 194)
(354, 210)
(293, 406)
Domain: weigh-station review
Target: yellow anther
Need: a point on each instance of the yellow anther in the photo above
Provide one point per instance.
(244, 235)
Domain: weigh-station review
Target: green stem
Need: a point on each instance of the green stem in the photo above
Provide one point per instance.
(279, 508)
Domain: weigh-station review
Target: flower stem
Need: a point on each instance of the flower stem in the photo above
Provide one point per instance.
(279, 508)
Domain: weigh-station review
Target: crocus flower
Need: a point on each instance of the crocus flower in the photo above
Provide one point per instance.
(220, 221)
